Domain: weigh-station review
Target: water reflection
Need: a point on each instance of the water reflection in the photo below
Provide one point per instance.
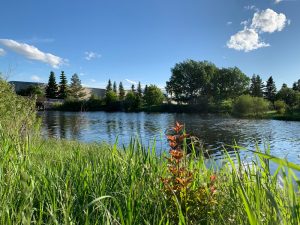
(214, 131)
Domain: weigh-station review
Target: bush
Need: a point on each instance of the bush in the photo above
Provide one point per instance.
(17, 113)
(153, 96)
(247, 105)
(280, 106)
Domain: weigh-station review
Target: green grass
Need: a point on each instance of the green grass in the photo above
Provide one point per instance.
(67, 182)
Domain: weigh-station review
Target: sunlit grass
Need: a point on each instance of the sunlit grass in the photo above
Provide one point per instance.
(66, 182)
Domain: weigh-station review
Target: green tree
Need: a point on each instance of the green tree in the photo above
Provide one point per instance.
(256, 87)
(63, 86)
(121, 92)
(139, 95)
(133, 88)
(130, 102)
(76, 90)
(32, 90)
(153, 96)
(270, 92)
(115, 87)
(110, 98)
(145, 89)
(109, 86)
(51, 89)
(288, 95)
(229, 83)
(190, 80)
(296, 86)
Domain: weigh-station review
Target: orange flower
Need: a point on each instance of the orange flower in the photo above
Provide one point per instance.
(213, 189)
(177, 154)
(182, 137)
(213, 178)
(171, 138)
(178, 127)
(172, 144)
(184, 181)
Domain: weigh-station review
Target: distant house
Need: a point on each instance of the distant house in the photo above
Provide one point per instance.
(21, 85)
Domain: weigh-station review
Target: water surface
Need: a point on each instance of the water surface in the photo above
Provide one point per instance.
(214, 131)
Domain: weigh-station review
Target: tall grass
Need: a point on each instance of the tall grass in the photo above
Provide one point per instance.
(67, 182)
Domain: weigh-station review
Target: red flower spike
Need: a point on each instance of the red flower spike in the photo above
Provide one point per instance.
(178, 127)
(213, 178)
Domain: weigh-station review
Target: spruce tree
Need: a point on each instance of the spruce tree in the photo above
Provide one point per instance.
(146, 89)
(115, 87)
(63, 86)
(270, 90)
(256, 88)
(109, 87)
(121, 92)
(51, 89)
(139, 90)
(296, 86)
(133, 88)
(76, 89)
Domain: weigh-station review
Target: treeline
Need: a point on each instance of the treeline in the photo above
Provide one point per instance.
(213, 89)
(57, 91)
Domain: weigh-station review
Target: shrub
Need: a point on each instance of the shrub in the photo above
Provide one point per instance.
(280, 106)
(17, 113)
(247, 105)
(153, 96)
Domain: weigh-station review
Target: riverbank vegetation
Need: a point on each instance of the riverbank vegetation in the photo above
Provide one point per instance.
(194, 86)
(67, 182)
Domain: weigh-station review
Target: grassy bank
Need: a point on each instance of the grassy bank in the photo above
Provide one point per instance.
(65, 182)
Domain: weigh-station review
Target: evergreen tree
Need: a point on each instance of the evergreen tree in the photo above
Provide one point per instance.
(133, 88)
(51, 89)
(76, 89)
(146, 89)
(109, 87)
(63, 86)
(115, 87)
(139, 90)
(121, 92)
(256, 87)
(270, 90)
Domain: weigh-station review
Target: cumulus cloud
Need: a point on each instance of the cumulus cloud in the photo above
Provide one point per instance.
(33, 53)
(265, 21)
(131, 81)
(246, 40)
(278, 1)
(268, 21)
(91, 55)
(250, 7)
(35, 78)
(2, 52)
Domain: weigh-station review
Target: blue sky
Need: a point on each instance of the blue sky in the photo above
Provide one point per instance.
(136, 40)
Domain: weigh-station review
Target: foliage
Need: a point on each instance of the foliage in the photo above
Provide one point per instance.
(76, 90)
(256, 86)
(51, 89)
(130, 102)
(133, 88)
(288, 95)
(229, 83)
(153, 96)
(115, 87)
(296, 86)
(110, 97)
(190, 79)
(63, 86)
(32, 90)
(246, 105)
(270, 92)
(109, 86)
(121, 92)
(17, 114)
(280, 106)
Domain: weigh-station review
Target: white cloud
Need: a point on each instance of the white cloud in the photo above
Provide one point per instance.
(229, 23)
(250, 7)
(278, 1)
(245, 23)
(93, 80)
(268, 21)
(246, 40)
(131, 81)
(2, 52)
(33, 53)
(35, 78)
(91, 55)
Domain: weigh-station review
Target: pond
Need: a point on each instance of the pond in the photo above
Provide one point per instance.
(214, 131)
